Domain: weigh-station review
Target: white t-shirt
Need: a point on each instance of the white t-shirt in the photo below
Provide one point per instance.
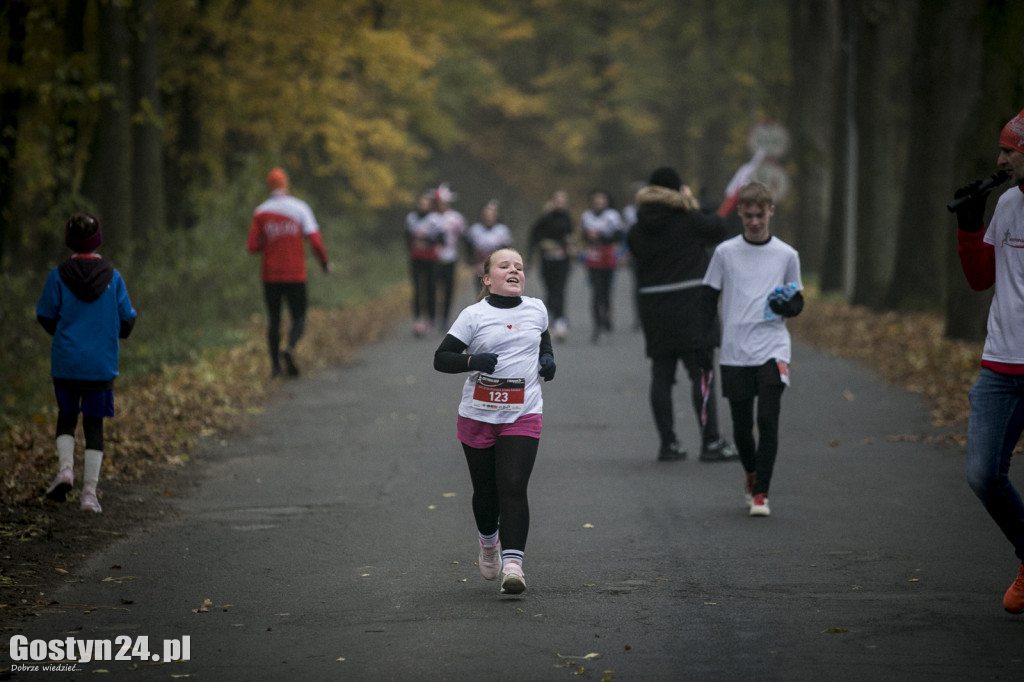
(1005, 340)
(454, 226)
(485, 241)
(746, 273)
(513, 388)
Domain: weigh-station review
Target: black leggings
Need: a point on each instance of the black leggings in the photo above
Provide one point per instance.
(758, 458)
(698, 364)
(601, 298)
(424, 287)
(295, 294)
(445, 290)
(555, 274)
(92, 427)
(500, 475)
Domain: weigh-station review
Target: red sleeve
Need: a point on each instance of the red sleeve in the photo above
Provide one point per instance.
(727, 205)
(977, 259)
(317, 242)
(255, 243)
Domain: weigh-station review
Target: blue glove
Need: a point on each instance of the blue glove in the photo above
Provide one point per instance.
(547, 367)
(483, 362)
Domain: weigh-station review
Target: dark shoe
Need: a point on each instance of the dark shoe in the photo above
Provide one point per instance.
(719, 451)
(671, 453)
(288, 356)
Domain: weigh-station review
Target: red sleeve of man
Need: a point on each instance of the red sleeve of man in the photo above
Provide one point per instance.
(255, 241)
(977, 259)
(317, 242)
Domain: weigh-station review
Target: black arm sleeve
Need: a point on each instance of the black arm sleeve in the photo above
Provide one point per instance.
(126, 327)
(449, 357)
(49, 324)
(545, 344)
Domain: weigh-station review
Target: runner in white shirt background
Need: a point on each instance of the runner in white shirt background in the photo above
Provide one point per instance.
(755, 352)
(502, 340)
(486, 236)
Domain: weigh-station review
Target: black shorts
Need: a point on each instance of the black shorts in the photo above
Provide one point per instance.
(743, 383)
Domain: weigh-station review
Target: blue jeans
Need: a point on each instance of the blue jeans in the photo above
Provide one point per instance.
(995, 425)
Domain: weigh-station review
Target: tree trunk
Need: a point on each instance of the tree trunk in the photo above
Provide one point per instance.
(881, 123)
(814, 46)
(10, 106)
(108, 174)
(834, 273)
(147, 127)
(941, 66)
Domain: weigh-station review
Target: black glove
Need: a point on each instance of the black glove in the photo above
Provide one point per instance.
(547, 367)
(790, 308)
(970, 215)
(483, 362)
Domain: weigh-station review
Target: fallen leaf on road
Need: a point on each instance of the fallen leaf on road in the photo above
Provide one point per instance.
(588, 525)
(448, 495)
(836, 630)
(61, 571)
(120, 579)
(204, 607)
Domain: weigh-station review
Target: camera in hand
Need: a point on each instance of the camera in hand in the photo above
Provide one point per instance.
(986, 186)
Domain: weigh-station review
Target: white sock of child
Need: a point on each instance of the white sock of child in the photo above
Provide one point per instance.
(90, 479)
(489, 540)
(65, 452)
(91, 476)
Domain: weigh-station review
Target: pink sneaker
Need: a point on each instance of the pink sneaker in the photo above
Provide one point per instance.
(1013, 600)
(759, 506)
(58, 491)
(512, 580)
(489, 560)
(89, 502)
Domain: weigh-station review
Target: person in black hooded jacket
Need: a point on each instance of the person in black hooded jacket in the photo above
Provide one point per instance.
(671, 246)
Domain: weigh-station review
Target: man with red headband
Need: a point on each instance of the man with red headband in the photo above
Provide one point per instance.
(277, 230)
(995, 257)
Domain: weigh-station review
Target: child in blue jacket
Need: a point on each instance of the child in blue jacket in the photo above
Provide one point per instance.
(86, 309)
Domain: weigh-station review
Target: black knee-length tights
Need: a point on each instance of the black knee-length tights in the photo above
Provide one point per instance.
(500, 475)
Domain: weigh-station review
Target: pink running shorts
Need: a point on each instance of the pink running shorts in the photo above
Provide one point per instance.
(480, 435)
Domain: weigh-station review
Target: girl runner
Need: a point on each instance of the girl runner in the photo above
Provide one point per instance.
(502, 340)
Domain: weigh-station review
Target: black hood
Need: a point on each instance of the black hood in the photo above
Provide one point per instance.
(87, 278)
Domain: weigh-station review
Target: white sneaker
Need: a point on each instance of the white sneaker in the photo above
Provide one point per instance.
(89, 502)
(489, 561)
(61, 485)
(759, 505)
(512, 580)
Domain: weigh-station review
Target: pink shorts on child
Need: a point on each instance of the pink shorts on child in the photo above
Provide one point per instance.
(480, 435)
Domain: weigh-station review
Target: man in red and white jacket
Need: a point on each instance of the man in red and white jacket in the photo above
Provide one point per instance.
(995, 257)
(278, 228)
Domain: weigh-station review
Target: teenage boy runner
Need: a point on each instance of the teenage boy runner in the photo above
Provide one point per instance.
(755, 354)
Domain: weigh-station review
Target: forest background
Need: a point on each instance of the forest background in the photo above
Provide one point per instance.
(162, 118)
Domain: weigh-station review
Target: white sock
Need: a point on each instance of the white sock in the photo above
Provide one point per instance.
(65, 452)
(512, 555)
(489, 540)
(91, 476)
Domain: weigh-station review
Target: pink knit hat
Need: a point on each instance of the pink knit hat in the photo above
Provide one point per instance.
(1013, 133)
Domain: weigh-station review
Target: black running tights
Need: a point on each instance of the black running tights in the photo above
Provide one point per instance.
(500, 475)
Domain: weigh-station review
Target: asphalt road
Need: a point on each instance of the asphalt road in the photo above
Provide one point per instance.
(334, 540)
